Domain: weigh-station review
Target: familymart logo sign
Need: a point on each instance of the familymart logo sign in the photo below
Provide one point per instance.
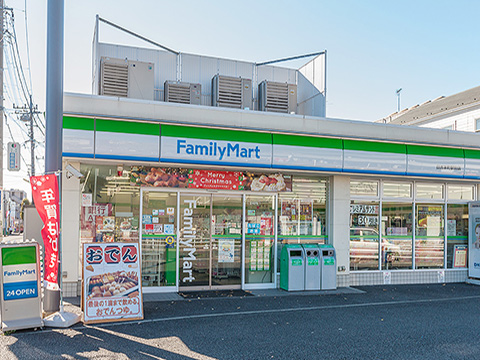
(215, 151)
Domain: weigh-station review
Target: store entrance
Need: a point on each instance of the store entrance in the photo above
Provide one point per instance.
(210, 241)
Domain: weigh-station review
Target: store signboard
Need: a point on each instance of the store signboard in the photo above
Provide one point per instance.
(20, 283)
(474, 239)
(304, 157)
(374, 162)
(435, 165)
(208, 151)
(111, 287)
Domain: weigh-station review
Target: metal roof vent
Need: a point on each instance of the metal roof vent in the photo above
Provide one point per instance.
(277, 97)
(114, 78)
(232, 92)
(182, 92)
(126, 78)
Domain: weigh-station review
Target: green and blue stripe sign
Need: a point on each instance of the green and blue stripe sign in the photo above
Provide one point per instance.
(19, 272)
(142, 141)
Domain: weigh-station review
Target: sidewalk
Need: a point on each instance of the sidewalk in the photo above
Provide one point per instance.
(163, 297)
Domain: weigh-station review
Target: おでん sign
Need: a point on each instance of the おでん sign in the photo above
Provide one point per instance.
(111, 282)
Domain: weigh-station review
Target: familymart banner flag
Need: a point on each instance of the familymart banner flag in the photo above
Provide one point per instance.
(45, 196)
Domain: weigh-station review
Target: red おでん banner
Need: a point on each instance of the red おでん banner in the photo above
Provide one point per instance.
(45, 196)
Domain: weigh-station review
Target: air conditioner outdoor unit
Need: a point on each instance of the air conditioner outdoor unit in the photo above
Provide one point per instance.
(232, 92)
(277, 97)
(125, 78)
(182, 92)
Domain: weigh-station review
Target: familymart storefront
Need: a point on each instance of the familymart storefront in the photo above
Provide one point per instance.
(213, 204)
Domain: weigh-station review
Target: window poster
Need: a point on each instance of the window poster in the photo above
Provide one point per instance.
(460, 256)
(226, 250)
(260, 255)
(111, 289)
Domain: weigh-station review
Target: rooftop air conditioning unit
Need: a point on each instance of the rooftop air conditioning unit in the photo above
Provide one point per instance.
(277, 97)
(125, 78)
(232, 92)
(183, 93)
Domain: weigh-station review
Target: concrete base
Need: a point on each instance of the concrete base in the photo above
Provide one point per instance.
(61, 319)
(473, 281)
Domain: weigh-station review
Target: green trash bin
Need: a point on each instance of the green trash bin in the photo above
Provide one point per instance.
(312, 266)
(292, 268)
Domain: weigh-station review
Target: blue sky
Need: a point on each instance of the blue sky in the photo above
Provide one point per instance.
(428, 48)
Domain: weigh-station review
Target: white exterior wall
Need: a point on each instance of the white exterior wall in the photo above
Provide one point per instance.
(71, 194)
(339, 220)
(461, 120)
(200, 69)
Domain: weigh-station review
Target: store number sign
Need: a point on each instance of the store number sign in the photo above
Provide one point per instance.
(364, 220)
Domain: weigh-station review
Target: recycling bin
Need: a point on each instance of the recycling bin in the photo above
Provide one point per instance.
(312, 267)
(292, 268)
(328, 272)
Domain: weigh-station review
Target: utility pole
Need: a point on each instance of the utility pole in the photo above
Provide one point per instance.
(27, 113)
(1, 117)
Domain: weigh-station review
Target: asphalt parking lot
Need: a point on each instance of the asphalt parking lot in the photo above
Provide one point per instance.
(439, 321)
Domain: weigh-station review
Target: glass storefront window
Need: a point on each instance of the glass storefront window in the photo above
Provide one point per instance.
(364, 188)
(429, 236)
(397, 190)
(110, 205)
(397, 236)
(302, 214)
(259, 238)
(429, 191)
(364, 236)
(457, 235)
(460, 192)
(159, 239)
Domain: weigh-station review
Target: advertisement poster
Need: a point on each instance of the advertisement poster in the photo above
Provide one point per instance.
(460, 256)
(46, 198)
(474, 239)
(226, 250)
(209, 179)
(260, 255)
(451, 227)
(111, 288)
(88, 220)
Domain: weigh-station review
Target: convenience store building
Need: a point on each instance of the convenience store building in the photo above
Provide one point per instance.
(213, 193)
(388, 198)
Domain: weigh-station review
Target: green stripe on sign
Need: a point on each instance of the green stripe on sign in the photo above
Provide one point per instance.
(19, 255)
(472, 154)
(434, 151)
(374, 146)
(310, 141)
(78, 123)
(128, 127)
(216, 134)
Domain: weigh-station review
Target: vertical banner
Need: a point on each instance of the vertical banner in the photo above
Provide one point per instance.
(46, 198)
(474, 239)
(111, 282)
